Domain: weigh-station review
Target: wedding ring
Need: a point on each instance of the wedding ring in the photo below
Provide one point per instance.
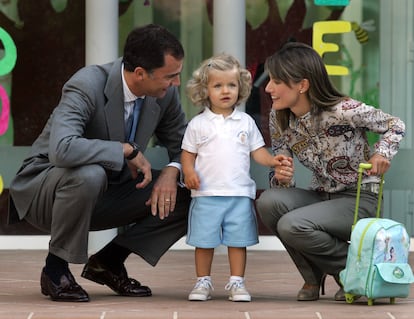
(167, 200)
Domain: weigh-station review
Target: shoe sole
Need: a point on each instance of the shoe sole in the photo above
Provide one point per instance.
(308, 299)
(44, 292)
(198, 298)
(241, 299)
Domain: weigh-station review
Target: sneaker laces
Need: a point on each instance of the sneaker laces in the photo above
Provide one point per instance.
(235, 284)
(204, 283)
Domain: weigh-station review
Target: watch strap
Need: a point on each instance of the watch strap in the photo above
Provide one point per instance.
(135, 150)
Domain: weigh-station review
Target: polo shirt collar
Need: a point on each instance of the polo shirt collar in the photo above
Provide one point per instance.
(235, 115)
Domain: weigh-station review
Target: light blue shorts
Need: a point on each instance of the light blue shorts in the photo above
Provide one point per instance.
(227, 220)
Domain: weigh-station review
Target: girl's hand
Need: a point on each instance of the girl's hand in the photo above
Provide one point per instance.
(191, 180)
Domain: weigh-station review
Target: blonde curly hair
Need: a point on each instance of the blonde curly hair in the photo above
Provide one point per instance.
(196, 88)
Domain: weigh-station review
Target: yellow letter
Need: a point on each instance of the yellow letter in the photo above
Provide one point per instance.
(319, 29)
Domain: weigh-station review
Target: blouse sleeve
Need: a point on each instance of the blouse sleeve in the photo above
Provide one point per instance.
(390, 128)
(279, 146)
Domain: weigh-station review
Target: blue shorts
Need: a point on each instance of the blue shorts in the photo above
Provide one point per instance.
(227, 220)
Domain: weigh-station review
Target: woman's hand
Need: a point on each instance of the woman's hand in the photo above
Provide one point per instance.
(380, 165)
(284, 172)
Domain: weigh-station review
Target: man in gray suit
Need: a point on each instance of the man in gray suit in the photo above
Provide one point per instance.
(87, 171)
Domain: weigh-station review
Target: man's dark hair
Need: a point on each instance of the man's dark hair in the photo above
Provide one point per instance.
(147, 46)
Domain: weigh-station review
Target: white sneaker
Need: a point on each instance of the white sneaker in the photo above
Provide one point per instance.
(238, 291)
(201, 291)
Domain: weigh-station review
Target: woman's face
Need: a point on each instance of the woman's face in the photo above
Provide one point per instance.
(291, 97)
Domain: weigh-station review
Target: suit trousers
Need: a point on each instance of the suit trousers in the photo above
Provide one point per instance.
(314, 227)
(73, 201)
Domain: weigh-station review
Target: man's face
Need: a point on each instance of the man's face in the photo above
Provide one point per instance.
(157, 82)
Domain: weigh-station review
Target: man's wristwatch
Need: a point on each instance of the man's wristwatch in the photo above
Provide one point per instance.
(135, 150)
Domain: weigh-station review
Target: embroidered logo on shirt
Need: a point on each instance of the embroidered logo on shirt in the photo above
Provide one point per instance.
(242, 136)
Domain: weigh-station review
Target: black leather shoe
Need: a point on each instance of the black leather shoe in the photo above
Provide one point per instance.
(340, 294)
(120, 283)
(67, 290)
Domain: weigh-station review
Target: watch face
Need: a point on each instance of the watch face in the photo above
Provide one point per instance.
(134, 145)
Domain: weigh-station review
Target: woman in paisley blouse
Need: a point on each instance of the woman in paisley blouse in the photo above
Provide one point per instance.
(327, 132)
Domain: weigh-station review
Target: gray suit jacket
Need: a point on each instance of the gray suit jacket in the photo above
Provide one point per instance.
(87, 127)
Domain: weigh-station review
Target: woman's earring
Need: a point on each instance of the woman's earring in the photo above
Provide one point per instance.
(300, 91)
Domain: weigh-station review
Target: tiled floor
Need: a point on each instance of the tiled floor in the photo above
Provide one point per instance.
(271, 279)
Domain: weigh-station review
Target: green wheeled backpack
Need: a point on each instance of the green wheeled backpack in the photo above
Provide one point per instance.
(377, 262)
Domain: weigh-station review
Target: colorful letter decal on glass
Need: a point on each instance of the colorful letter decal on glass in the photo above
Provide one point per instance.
(7, 64)
(5, 110)
(331, 2)
(324, 27)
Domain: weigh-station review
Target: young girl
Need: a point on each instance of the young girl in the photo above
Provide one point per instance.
(327, 133)
(217, 146)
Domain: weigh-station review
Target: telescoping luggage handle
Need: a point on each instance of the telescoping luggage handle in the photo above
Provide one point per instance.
(361, 168)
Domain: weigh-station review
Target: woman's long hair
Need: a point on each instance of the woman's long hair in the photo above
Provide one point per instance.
(294, 62)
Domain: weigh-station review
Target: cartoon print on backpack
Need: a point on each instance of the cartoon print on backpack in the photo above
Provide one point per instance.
(391, 245)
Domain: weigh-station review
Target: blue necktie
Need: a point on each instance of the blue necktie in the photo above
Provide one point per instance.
(132, 121)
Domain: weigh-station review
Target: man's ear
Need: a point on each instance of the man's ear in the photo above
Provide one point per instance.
(140, 73)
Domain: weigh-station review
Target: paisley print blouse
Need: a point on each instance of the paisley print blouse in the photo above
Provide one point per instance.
(333, 143)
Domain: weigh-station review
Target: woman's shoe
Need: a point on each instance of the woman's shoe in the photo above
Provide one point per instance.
(323, 279)
(340, 294)
(311, 292)
(308, 293)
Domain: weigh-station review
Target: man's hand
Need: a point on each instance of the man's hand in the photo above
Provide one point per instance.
(138, 163)
(164, 193)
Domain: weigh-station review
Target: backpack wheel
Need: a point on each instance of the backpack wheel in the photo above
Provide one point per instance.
(350, 298)
(370, 302)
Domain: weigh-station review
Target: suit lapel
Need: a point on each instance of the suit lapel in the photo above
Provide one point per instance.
(114, 108)
(114, 111)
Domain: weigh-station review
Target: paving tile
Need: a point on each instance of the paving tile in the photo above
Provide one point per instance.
(271, 278)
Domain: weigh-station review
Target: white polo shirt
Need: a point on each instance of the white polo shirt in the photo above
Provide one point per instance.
(223, 147)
